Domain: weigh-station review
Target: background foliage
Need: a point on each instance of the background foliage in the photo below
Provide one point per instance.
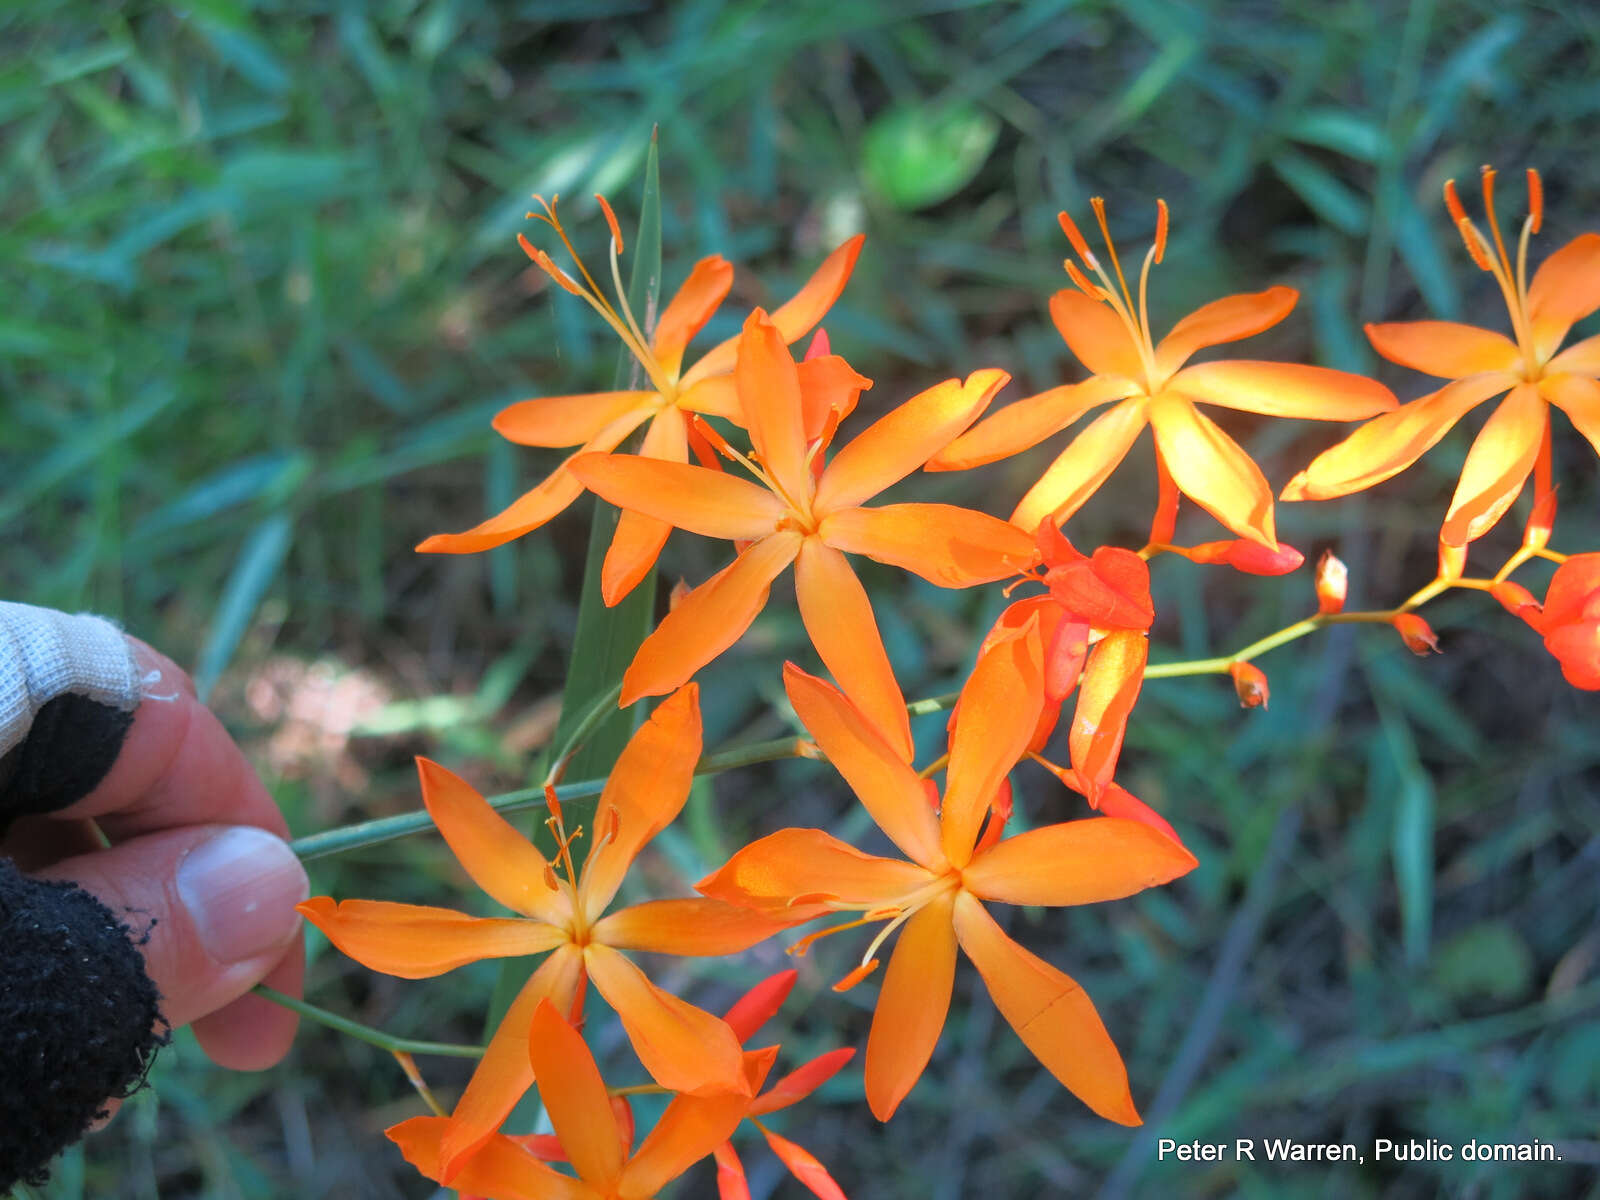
(262, 299)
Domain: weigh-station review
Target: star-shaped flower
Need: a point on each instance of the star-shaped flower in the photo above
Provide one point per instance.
(799, 514)
(1110, 334)
(936, 899)
(1515, 441)
(684, 1048)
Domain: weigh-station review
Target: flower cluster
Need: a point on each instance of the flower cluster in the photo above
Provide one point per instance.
(767, 476)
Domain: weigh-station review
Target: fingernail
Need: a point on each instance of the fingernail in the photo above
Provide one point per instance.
(240, 886)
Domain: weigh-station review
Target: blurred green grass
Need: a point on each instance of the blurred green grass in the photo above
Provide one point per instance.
(263, 299)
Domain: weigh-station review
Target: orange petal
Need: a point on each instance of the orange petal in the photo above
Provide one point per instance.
(798, 316)
(1226, 320)
(1209, 468)
(493, 852)
(771, 872)
(644, 793)
(692, 926)
(839, 619)
(769, 397)
(1077, 862)
(1095, 334)
(912, 1006)
(575, 1097)
(1286, 390)
(709, 619)
(1497, 465)
(1579, 398)
(535, 507)
(949, 546)
(1565, 289)
(828, 385)
(1444, 348)
(760, 1004)
(1028, 422)
(1110, 687)
(803, 1165)
(998, 710)
(638, 539)
(1387, 445)
(691, 1128)
(1083, 466)
(504, 1072)
(684, 1048)
(1052, 1015)
(899, 442)
(691, 307)
(501, 1169)
(731, 1181)
(710, 503)
(1580, 358)
(570, 420)
(716, 396)
(876, 770)
(415, 941)
(802, 1081)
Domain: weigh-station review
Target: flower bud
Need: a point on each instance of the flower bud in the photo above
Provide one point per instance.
(1250, 684)
(1333, 580)
(1242, 554)
(1516, 600)
(678, 592)
(1417, 634)
(1536, 535)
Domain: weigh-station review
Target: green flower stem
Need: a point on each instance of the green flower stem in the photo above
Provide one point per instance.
(604, 705)
(366, 1033)
(388, 829)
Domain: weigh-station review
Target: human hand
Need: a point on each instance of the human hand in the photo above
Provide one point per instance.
(196, 855)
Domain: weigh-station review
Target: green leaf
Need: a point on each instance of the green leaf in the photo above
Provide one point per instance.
(1411, 844)
(917, 155)
(260, 559)
(1330, 198)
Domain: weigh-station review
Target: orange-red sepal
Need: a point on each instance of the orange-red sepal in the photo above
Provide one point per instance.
(1417, 634)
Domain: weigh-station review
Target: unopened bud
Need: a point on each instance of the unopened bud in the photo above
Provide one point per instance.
(1242, 554)
(1333, 581)
(1251, 685)
(676, 595)
(1452, 562)
(1536, 536)
(1417, 634)
(1516, 600)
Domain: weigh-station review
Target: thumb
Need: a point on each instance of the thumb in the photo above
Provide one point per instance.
(216, 902)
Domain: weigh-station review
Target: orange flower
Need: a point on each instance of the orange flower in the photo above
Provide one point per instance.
(1092, 623)
(748, 1014)
(574, 1095)
(601, 420)
(1110, 334)
(753, 1010)
(1482, 364)
(799, 515)
(936, 900)
(1569, 618)
(683, 1048)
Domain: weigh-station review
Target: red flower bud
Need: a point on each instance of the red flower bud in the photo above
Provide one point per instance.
(1251, 685)
(1517, 600)
(1417, 634)
(1244, 555)
(1333, 580)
